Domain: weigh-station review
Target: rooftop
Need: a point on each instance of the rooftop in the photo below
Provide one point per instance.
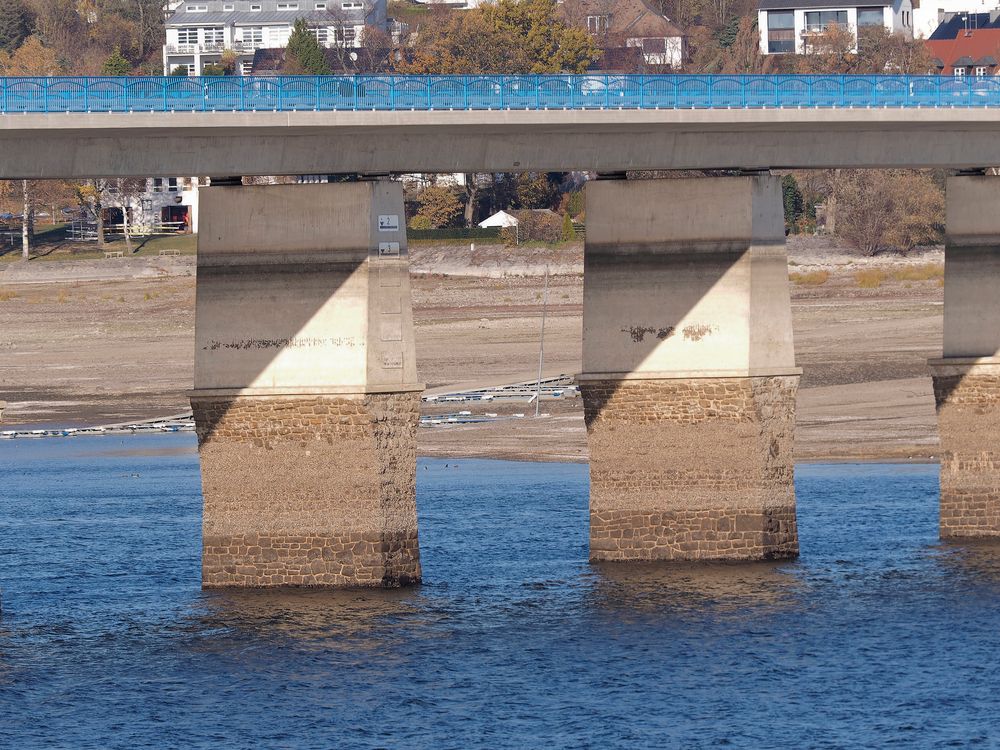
(238, 12)
(820, 4)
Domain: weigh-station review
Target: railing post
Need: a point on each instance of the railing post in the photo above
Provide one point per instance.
(465, 90)
(430, 101)
(502, 97)
(281, 93)
(538, 91)
(744, 85)
(317, 93)
(86, 94)
(642, 91)
(45, 95)
(810, 98)
(607, 91)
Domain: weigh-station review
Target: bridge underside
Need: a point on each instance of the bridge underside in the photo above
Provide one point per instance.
(75, 145)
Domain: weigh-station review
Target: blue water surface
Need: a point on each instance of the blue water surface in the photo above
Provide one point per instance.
(877, 636)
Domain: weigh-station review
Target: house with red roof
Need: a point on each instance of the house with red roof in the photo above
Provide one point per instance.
(967, 44)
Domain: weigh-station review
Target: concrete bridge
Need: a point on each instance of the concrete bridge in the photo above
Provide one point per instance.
(306, 394)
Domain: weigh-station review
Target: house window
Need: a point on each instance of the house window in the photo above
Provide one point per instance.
(215, 35)
(982, 71)
(247, 67)
(321, 33)
(870, 17)
(959, 72)
(229, 6)
(598, 24)
(820, 20)
(320, 6)
(171, 184)
(780, 31)
(187, 36)
(157, 184)
(345, 36)
(253, 36)
(196, 8)
(352, 6)
(255, 8)
(288, 6)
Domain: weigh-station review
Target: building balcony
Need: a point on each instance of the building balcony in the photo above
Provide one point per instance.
(191, 49)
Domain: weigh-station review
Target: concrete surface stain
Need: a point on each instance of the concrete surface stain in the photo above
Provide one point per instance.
(638, 333)
(698, 332)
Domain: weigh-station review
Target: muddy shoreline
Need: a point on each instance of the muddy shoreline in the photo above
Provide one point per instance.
(95, 342)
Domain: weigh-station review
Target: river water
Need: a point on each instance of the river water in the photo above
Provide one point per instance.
(878, 635)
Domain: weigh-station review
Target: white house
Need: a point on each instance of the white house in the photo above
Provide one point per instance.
(788, 25)
(199, 31)
(499, 219)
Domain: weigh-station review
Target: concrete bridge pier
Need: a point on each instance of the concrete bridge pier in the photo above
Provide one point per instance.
(689, 371)
(967, 377)
(305, 398)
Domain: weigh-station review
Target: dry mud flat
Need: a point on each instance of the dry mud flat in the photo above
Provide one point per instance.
(119, 347)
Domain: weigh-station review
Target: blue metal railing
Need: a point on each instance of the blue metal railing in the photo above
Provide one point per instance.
(532, 92)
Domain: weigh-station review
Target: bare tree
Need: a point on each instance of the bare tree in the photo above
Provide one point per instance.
(27, 219)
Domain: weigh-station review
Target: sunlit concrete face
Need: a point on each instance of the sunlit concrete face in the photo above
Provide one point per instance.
(305, 398)
(967, 378)
(82, 145)
(689, 374)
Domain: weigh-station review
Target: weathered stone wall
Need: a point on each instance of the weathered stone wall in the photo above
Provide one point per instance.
(309, 491)
(968, 407)
(691, 469)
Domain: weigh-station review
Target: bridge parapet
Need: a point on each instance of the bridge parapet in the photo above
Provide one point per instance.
(480, 92)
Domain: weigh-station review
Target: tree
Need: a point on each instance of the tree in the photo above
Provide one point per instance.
(213, 70)
(882, 51)
(16, 22)
(30, 59)
(743, 54)
(126, 193)
(116, 64)
(506, 37)
(90, 196)
(180, 71)
(537, 190)
(439, 206)
(303, 55)
(831, 51)
(568, 230)
(882, 209)
(794, 205)
(471, 197)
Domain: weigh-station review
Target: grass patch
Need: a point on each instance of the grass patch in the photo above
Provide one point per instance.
(923, 272)
(810, 278)
(871, 278)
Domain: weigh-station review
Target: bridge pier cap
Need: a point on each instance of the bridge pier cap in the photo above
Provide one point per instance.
(689, 373)
(305, 398)
(967, 376)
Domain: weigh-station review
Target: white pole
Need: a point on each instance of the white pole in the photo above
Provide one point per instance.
(541, 344)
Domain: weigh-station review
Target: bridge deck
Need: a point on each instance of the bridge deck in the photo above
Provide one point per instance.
(103, 127)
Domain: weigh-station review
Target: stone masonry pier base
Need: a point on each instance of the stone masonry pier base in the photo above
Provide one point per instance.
(305, 400)
(689, 376)
(967, 377)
